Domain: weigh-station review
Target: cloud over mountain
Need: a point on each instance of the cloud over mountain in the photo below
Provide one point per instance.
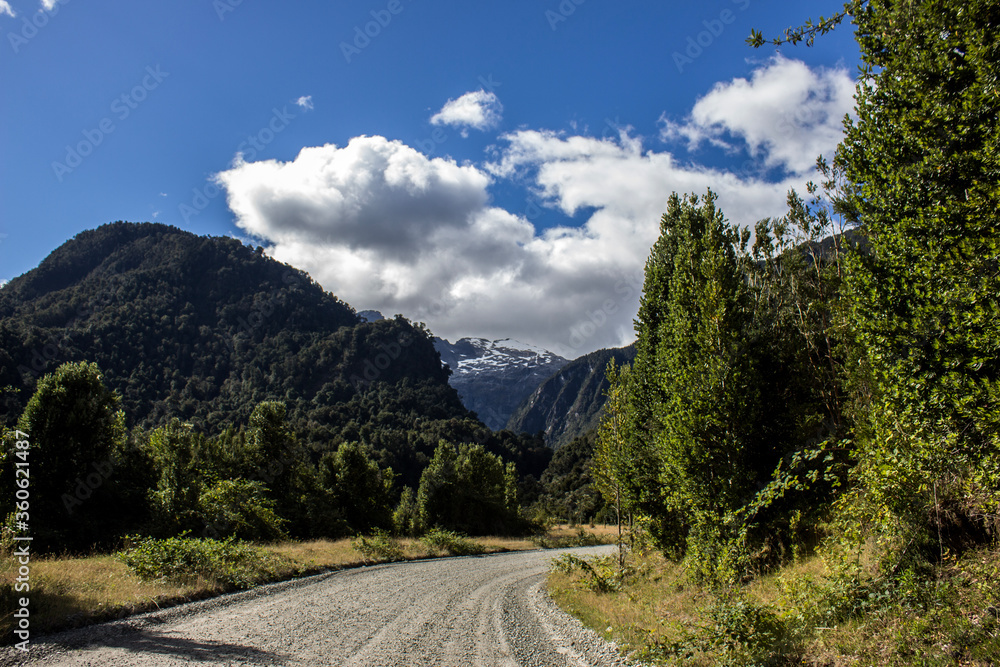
(387, 227)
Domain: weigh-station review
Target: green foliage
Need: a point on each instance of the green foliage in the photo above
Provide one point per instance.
(922, 159)
(568, 491)
(467, 489)
(730, 431)
(379, 547)
(690, 434)
(451, 543)
(76, 432)
(240, 508)
(923, 614)
(185, 461)
(229, 562)
(600, 574)
(615, 459)
(358, 487)
(736, 632)
(406, 516)
(810, 30)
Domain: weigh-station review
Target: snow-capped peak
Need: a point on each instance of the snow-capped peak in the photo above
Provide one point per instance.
(492, 376)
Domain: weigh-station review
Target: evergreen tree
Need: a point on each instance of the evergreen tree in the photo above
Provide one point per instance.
(359, 488)
(470, 490)
(923, 158)
(709, 443)
(696, 429)
(406, 518)
(77, 435)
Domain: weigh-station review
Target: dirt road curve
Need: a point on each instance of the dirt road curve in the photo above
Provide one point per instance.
(480, 611)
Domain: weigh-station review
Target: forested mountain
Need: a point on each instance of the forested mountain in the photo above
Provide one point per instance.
(493, 377)
(569, 404)
(204, 329)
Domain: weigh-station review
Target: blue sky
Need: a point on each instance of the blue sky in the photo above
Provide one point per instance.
(493, 169)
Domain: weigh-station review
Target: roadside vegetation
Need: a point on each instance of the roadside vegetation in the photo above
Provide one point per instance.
(809, 435)
(813, 611)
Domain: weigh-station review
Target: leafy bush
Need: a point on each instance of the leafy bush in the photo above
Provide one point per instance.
(599, 573)
(229, 562)
(240, 508)
(452, 543)
(379, 547)
(738, 632)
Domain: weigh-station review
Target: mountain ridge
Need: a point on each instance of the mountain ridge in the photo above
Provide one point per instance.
(492, 377)
(569, 403)
(202, 329)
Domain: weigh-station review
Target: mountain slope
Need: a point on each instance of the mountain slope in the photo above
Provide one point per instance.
(493, 377)
(569, 403)
(202, 329)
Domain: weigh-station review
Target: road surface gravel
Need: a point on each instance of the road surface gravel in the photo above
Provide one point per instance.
(483, 611)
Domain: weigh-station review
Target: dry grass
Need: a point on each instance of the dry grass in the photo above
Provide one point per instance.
(658, 596)
(70, 592)
(950, 617)
(604, 531)
(317, 555)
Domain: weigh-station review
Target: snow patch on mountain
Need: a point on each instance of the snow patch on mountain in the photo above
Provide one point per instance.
(493, 376)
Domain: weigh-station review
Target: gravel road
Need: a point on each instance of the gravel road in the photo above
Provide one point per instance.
(482, 611)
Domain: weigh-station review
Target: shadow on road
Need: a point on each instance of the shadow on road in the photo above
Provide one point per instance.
(150, 643)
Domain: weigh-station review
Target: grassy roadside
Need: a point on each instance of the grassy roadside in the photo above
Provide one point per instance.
(69, 592)
(802, 614)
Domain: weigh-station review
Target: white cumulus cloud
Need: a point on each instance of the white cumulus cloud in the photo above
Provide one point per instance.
(786, 112)
(306, 102)
(5, 8)
(371, 195)
(478, 109)
(385, 227)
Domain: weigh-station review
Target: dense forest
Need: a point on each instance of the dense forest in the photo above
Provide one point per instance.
(173, 383)
(797, 389)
